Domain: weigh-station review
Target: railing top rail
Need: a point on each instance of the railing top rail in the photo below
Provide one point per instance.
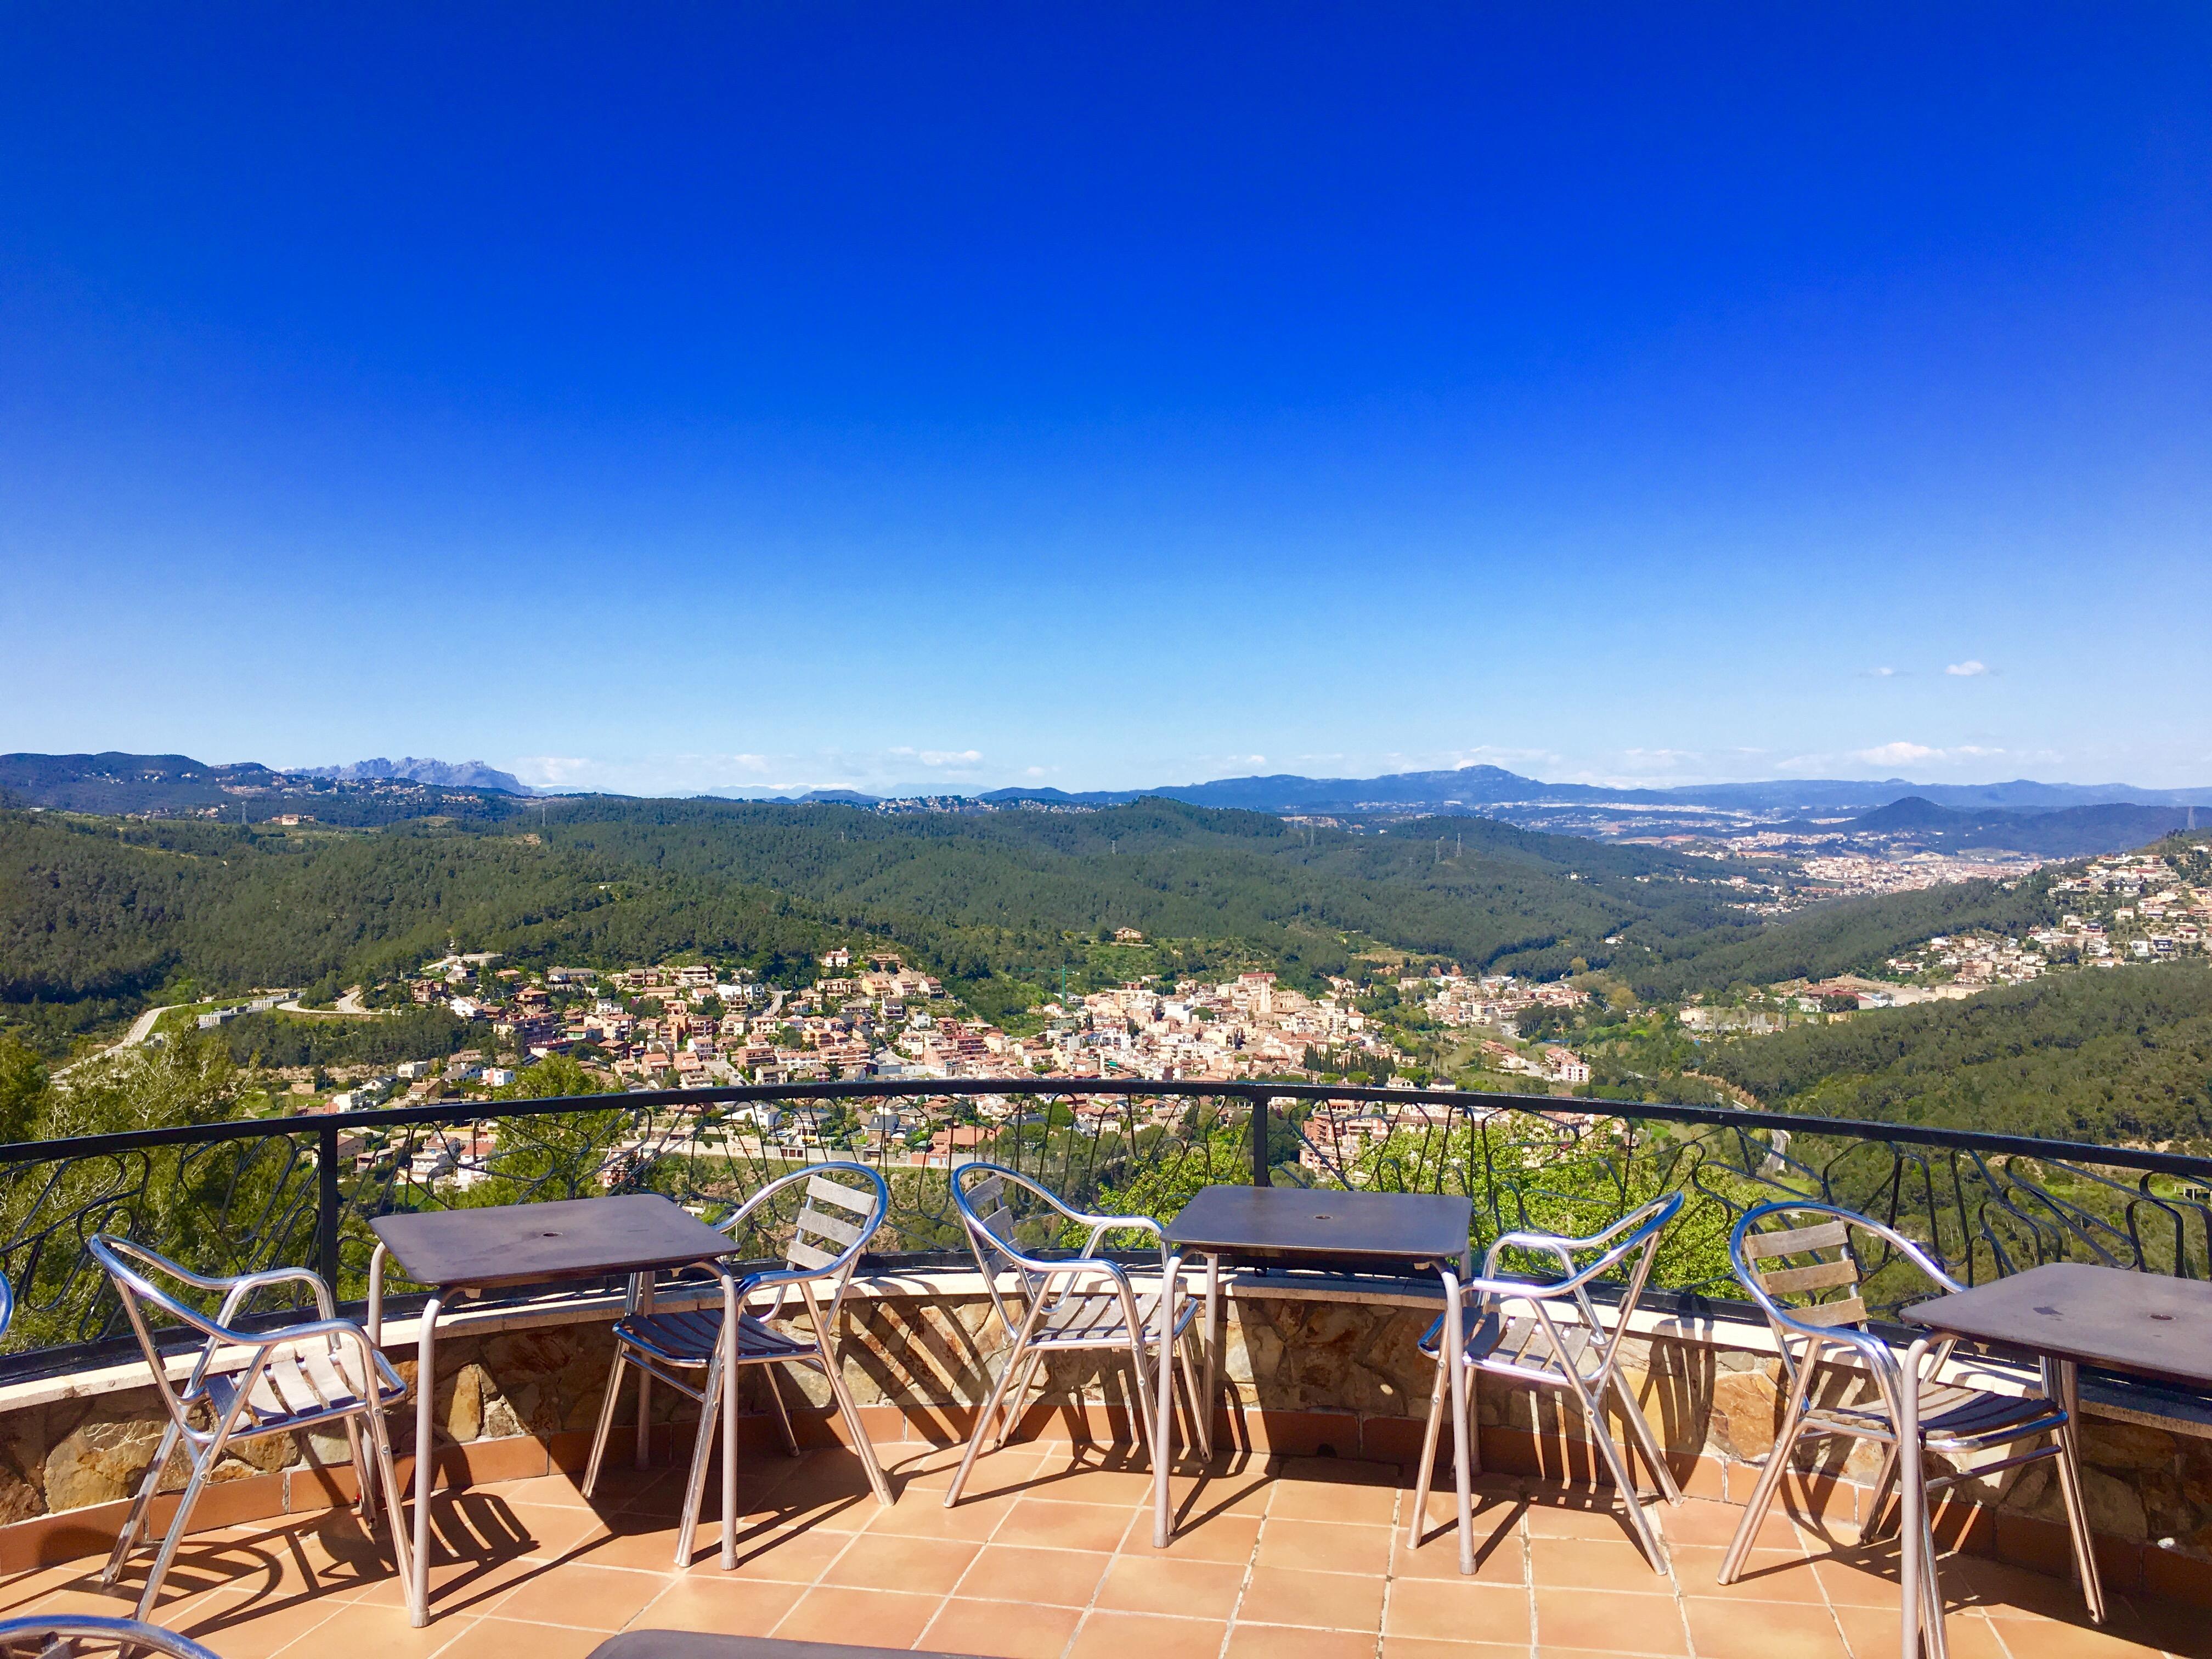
(1975, 1140)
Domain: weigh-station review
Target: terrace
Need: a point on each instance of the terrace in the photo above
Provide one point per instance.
(1293, 1539)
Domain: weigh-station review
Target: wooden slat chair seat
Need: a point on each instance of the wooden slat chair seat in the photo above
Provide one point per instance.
(1059, 1303)
(244, 1384)
(301, 1387)
(841, 1206)
(1807, 1277)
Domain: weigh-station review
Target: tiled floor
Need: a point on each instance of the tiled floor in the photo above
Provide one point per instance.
(1050, 1555)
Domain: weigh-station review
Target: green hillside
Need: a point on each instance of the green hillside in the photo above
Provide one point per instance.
(2118, 1055)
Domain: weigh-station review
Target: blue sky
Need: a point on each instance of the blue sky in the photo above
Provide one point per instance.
(669, 398)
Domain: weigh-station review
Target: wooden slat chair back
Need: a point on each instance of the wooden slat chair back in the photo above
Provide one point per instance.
(834, 1210)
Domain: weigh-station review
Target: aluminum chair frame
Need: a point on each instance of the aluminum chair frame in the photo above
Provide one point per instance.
(1547, 1357)
(1057, 1285)
(55, 1635)
(1898, 1420)
(666, 1346)
(306, 1362)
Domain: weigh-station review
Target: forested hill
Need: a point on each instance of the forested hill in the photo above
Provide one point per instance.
(98, 917)
(2116, 1056)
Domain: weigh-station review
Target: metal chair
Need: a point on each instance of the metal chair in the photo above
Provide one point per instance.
(823, 1245)
(57, 1636)
(1058, 1304)
(1819, 1264)
(249, 1383)
(1580, 1358)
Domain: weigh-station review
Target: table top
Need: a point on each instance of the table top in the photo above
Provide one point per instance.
(1263, 1223)
(509, 1244)
(2147, 1323)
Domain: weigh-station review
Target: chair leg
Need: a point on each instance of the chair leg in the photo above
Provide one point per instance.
(1462, 1414)
(365, 1504)
(1428, 1459)
(782, 1409)
(403, 1549)
(606, 1423)
(1770, 1477)
(850, 1409)
(703, 1448)
(1147, 1434)
(1879, 1513)
(1015, 1357)
(2070, 1486)
(126, 1540)
(1932, 1584)
(1017, 1398)
(1631, 1499)
(1646, 1441)
(166, 1556)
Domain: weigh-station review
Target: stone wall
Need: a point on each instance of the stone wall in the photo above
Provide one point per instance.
(1333, 1376)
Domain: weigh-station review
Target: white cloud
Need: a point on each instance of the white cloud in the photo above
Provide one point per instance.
(1968, 670)
(1877, 673)
(950, 756)
(1896, 754)
(1032, 771)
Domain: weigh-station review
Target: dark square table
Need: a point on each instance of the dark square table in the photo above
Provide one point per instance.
(2065, 1314)
(1294, 1227)
(503, 1247)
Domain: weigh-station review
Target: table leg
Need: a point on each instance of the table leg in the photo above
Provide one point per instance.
(2062, 1382)
(425, 1461)
(644, 1458)
(731, 1309)
(1210, 1347)
(1912, 1499)
(1454, 1358)
(1164, 1405)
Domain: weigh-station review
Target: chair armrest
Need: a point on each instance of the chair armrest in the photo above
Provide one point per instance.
(243, 1288)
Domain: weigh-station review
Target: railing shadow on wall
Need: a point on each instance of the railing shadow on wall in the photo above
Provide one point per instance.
(299, 1191)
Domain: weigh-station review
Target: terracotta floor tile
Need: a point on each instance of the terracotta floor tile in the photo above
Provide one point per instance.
(1457, 1610)
(1065, 1526)
(1872, 1634)
(1110, 1635)
(860, 1618)
(1860, 1580)
(1421, 1647)
(1707, 1521)
(1768, 1575)
(503, 1639)
(919, 1566)
(1277, 1642)
(1591, 1564)
(923, 1515)
(1358, 1501)
(581, 1596)
(1243, 1491)
(1765, 1630)
(787, 1555)
(642, 1543)
(459, 1587)
(1006, 1572)
(1603, 1521)
(1327, 1601)
(1159, 1584)
(729, 1606)
(2052, 1640)
(1324, 1546)
(244, 1627)
(384, 1632)
(1092, 1484)
(1497, 1560)
(1219, 1538)
(1002, 1630)
(1338, 1471)
(1612, 1620)
(2008, 1592)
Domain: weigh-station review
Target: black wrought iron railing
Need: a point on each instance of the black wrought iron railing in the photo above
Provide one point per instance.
(235, 1196)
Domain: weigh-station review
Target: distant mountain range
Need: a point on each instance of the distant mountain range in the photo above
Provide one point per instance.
(452, 775)
(1983, 814)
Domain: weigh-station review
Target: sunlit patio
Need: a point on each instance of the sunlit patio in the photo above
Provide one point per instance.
(1051, 1555)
